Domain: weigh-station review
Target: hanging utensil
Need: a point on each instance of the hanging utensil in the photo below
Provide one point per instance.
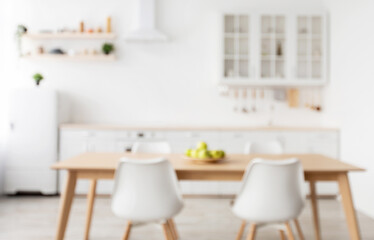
(236, 97)
(254, 100)
(244, 108)
(262, 99)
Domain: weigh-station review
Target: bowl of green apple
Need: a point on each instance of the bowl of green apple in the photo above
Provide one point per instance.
(203, 155)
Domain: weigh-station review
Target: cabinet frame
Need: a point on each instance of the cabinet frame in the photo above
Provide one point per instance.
(290, 50)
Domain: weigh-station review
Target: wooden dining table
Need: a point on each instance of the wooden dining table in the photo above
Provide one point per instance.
(97, 166)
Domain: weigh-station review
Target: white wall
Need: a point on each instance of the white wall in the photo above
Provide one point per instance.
(173, 83)
(4, 89)
(352, 48)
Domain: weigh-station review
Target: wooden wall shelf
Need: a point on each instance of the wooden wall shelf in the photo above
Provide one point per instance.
(46, 36)
(99, 57)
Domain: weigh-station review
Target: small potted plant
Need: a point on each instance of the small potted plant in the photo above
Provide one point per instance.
(21, 30)
(107, 48)
(38, 78)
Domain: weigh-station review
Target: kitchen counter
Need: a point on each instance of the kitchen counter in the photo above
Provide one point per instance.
(191, 128)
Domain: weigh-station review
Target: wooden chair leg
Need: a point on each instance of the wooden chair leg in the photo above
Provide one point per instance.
(281, 233)
(127, 232)
(241, 230)
(252, 232)
(167, 232)
(90, 205)
(298, 229)
(290, 235)
(173, 229)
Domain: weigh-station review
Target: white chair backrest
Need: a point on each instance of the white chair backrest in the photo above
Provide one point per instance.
(272, 191)
(151, 147)
(271, 147)
(146, 190)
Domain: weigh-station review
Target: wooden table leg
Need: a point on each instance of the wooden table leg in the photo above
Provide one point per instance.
(65, 204)
(349, 210)
(90, 204)
(313, 199)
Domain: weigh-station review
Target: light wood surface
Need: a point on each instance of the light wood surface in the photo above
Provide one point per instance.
(282, 236)
(90, 204)
(290, 235)
(78, 35)
(235, 163)
(241, 230)
(313, 199)
(252, 232)
(349, 210)
(173, 229)
(66, 201)
(126, 235)
(299, 230)
(167, 231)
(102, 166)
(89, 57)
(78, 126)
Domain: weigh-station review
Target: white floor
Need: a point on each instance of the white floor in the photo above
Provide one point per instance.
(206, 219)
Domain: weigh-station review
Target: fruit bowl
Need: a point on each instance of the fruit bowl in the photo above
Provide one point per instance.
(204, 160)
(202, 155)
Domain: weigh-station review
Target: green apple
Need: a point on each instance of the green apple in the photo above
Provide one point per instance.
(194, 153)
(202, 145)
(188, 152)
(216, 153)
(203, 154)
(222, 153)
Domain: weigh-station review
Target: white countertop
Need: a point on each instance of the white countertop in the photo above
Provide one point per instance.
(191, 128)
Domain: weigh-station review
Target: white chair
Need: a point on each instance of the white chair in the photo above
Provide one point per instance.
(271, 147)
(272, 194)
(151, 147)
(147, 191)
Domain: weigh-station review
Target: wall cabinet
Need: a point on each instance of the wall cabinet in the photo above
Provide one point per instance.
(274, 49)
(75, 141)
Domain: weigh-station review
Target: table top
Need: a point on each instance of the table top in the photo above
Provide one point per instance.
(232, 163)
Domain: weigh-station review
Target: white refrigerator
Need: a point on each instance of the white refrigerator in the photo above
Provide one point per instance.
(33, 140)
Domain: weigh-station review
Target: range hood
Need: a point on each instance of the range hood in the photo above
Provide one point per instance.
(145, 27)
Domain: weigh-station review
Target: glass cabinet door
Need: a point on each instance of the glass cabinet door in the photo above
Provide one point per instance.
(236, 46)
(272, 47)
(310, 53)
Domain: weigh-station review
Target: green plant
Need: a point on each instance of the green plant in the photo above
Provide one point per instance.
(38, 78)
(108, 48)
(21, 30)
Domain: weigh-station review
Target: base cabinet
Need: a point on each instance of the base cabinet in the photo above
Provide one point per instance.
(77, 141)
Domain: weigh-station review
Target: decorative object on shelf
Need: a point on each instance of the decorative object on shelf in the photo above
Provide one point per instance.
(40, 50)
(72, 52)
(21, 30)
(279, 49)
(38, 78)
(90, 30)
(107, 48)
(93, 51)
(293, 97)
(81, 27)
(99, 30)
(109, 25)
(56, 51)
